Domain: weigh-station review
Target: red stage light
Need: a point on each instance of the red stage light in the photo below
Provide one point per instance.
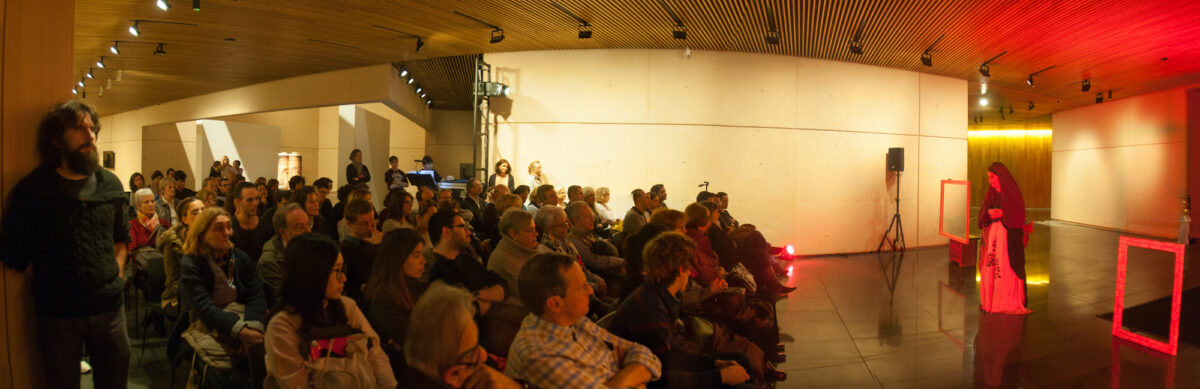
(791, 250)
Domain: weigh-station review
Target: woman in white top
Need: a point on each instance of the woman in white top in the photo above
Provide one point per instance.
(604, 214)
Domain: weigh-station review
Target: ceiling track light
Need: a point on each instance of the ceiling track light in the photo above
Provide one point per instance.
(585, 28)
(1002, 114)
(1110, 94)
(114, 49)
(986, 70)
(410, 81)
(1030, 106)
(772, 37)
(497, 32)
(1030, 79)
(419, 89)
(100, 63)
(418, 37)
(403, 71)
(856, 45)
(927, 56)
(80, 82)
(74, 91)
(1099, 98)
(419, 44)
(133, 30)
(1010, 110)
(163, 5)
(89, 73)
(196, 5)
(678, 31)
(159, 49)
(983, 101)
(1087, 85)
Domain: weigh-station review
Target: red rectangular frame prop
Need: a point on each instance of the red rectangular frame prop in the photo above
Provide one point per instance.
(966, 238)
(1172, 344)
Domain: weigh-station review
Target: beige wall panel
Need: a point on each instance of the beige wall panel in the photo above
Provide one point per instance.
(943, 106)
(712, 88)
(843, 96)
(575, 85)
(298, 127)
(405, 133)
(940, 159)
(799, 144)
(450, 142)
(1122, 164)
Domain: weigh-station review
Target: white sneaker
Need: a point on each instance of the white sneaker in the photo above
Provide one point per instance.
(84, 367)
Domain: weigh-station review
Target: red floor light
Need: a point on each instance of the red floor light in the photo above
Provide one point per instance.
(791, 250)
(1172, 344)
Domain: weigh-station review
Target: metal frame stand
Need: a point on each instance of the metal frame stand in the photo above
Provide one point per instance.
(896, 227)
(481, 147)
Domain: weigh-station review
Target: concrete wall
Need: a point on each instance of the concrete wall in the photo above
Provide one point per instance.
(799, 144)
(298, 134)
(1122, 164)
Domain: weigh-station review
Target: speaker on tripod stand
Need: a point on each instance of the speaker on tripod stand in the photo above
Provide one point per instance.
(895, 163)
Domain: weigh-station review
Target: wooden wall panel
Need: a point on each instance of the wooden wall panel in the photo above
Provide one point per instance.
(36, 74)
(1024, 147)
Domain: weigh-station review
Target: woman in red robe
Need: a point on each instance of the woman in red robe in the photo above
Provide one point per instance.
(1002, 265)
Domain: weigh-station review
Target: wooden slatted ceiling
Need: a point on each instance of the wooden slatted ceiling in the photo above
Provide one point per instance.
(1117, 43)
(446, 80)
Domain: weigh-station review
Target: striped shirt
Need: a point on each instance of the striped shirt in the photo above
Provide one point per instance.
(580, 356)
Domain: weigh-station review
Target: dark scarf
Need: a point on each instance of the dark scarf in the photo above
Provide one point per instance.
(1009, 198)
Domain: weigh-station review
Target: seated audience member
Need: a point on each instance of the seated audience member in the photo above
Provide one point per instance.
(634, 266)
(636, 217)
(523, 191)
(426, 198)
(219, 285)
(574, 193)
(215, 169)
(290, 221)
(398, 213)
(446, 195)
(454, 263)
(659, 192)
(393, 288)
(490, 221)
(250, 232)
(705, 266)
(170, 243)
(181, 190)
(517, 245)
(236, 169)
(296, 182)
(727, 220)
(359, 246)
(558, 346)
(343, 193)
(648, 317)
(472, 204)
(156, 182)
(223, 186)
(165, 205)
(544, 195)
(267, 201)
(604, 214)
(495, 192)
(144, 229)
(209, 198)
(552, 222)
(136, 181)
(308, 199)
(324, 185)
(313, 309)
(359, 193)
(727, 253)
(581, 236)
(442, 345)
(423, 230)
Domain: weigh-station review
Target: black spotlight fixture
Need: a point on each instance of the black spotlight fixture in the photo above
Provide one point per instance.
(196, 5)
(1030, 79)
(134, 30)
(1099, 98)
(678, 31)
(585, 28)
(927, 56)
(772, 37)
(159, 50)
(419, 44)
(1087, 85)
(1010, 110)
(986, 70)
(497, 32)
(403, 71)
(1030, 106)
(89, 73)
(856, 45)
(100, 63)
(1109, 93)
(1002, 114)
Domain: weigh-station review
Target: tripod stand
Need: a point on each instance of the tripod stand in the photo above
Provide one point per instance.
(896, 228)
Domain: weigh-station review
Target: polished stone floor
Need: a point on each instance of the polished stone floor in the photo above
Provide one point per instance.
(885, 320)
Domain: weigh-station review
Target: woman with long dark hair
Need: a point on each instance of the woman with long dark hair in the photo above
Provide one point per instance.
(393, 289)
(316, 327)
(503, 175)
(1002, 265)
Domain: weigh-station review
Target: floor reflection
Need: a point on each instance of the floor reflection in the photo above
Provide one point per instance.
(912, 320)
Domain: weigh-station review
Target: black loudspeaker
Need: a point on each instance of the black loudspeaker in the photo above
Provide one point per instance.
(895, 159)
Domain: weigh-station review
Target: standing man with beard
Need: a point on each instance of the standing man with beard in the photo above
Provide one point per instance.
(67, 220)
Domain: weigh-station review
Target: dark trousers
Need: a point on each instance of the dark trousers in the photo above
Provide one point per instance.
(62, 341)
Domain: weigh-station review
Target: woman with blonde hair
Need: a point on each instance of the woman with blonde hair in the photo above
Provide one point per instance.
(604, 214)
(219, 284)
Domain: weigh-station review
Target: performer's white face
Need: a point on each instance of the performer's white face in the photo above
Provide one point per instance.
(994, 181)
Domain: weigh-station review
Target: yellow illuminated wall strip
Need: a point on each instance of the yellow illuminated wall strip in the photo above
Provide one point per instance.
(1009, 133)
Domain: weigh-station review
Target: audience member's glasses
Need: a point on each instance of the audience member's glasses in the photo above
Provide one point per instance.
(470, 358)
(341, 271)
(458, 226)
